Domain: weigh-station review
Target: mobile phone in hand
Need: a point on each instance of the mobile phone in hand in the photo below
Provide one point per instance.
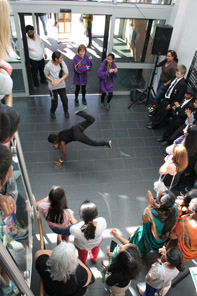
(112, 245)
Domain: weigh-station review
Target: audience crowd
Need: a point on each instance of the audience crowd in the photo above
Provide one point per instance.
(169, 222)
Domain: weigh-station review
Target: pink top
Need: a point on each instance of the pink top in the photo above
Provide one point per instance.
(67, 216)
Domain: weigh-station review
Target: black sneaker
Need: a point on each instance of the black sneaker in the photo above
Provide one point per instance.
(66, 114)
(84, 101)
(76, 102)
(53, 116)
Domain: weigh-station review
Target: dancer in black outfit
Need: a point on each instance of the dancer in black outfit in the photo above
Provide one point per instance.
(75, 133)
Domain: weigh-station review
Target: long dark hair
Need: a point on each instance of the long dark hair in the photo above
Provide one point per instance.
(191, 140)
(127, 262)
(166, 212)
(175, 257)
(9, 122)
(88, 212)
(58, 203)
(5, 162)
(57, 55)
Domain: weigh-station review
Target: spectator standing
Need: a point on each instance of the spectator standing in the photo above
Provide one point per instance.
(88, 25)
(56, 72)
(37, 54)
(106, 74)
(81, 65)
(43, 18)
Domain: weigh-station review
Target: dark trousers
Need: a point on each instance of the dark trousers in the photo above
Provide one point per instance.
(172, 126)
(110, 95)
(83, 89)
(179, 132)
(35, 67)
(54, 99)
(89, 33)
(78, 130)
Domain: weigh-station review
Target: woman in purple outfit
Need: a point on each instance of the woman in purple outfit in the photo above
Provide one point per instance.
(106, 74)
(81, 64)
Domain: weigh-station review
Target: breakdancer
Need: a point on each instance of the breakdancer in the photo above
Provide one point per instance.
(75, 133)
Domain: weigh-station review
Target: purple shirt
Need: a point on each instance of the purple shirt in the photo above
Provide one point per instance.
(80, 69)
(106, 79)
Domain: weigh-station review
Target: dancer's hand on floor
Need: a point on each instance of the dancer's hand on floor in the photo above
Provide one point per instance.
(58, 164)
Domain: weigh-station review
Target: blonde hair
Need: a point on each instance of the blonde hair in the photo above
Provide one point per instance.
(180, 157)
(5, 46)
(181, 69)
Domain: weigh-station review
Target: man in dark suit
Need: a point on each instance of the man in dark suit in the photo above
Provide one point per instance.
(178, 117)
(174, 93)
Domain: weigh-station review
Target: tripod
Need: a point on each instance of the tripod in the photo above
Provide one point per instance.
(148, 90)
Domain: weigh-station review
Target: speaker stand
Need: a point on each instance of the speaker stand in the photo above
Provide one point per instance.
(147, 92)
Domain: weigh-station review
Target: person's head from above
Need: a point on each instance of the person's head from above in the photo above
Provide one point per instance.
(57, 197)
(9, 123)
(81, 50)
(166, 199)
(171, 56)
(88, 212)
(189, 196)
(58, 203)
(5, 46)
(110, 58)
(30, 31)
(175, 257)
(63, 262)
(5, 165)
(190, 142)
(189, 94)
(53, 138)
(180, 71)
(180, 157)
(193, 205)
(128, 261)
(57, 57)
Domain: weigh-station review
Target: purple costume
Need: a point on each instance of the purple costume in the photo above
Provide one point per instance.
(106, 79)
(80, 69)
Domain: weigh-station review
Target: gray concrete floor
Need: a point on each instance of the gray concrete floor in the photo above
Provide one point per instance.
(116, 180)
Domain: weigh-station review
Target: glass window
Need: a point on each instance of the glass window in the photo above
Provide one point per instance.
(14, 42)
(18, 82)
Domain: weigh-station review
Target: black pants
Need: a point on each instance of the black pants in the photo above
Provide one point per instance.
(110, 95)
(83, 89)
(54, 99)
(35, 67)
(172, 126)
(89, 33)
(78, 130)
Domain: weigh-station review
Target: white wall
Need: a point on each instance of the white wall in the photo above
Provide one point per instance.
(184, 36)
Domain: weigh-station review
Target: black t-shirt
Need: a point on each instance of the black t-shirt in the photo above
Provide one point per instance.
(74, 286)
(66, 136)
(117, 279)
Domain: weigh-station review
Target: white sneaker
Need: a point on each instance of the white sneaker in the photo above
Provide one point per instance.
(110, 144)
(17, 174)
(81, 108)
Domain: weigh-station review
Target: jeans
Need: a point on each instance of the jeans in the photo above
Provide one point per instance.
(44, 19)
(54, 99)
(161, 90)
(62, 231)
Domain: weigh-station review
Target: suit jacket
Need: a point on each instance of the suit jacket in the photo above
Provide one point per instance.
(180, 111)
(178, 92)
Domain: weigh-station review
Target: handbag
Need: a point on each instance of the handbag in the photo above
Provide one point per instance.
(164, 290)
(159, 185)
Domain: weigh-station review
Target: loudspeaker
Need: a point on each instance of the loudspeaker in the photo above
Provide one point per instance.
(162, 39)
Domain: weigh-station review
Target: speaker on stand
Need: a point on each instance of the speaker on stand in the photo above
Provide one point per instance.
(160, 46)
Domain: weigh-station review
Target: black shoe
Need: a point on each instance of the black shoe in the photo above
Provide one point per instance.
(164, 143)
(84, 101)
(76, 102)
(160, 139)
(66, 114)
(53, 116)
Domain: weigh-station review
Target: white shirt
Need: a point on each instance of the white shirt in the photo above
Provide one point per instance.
(171, 87)
(36, 48)
(6, 85)
(81, 242)
(53, 72)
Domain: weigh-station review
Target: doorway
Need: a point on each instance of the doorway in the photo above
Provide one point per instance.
(66, 36)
